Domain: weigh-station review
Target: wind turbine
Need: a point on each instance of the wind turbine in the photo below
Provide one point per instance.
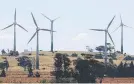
(52, 21)
(37, 46)
(122, 26)
(15, 23)
(106, 32)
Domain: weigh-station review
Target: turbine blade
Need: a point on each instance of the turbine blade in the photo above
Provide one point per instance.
(15, 15)
(116, 29)
(110, 23)
(121, 19)
(56, 18)
(22, 27)
(97, 29)
(111, 38)
(46, 30)
(46, 17)
(34, 20)
(32, 37)
(128, 26)
(7, 27)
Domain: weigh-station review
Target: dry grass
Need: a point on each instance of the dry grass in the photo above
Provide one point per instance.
(47, 61)
(17, 74)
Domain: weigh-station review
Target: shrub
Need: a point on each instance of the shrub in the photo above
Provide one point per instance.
(74, 55)
(83, 54)
(98, 56)
(129, 58)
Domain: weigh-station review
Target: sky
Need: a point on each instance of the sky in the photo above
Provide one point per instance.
(72, 28)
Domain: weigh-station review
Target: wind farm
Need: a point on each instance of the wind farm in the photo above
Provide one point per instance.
(81, 45)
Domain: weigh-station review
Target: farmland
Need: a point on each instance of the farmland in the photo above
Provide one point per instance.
(16, 74)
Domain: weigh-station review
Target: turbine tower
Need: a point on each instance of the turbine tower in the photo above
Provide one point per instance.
(106, 32)
(15, 23)
(37, 46)
(122, 26)
(52, 21)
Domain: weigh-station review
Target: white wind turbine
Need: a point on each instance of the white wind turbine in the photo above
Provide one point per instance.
(15, 23)
(122, 25)
(37, 46)
(52, 21)
(106, 32)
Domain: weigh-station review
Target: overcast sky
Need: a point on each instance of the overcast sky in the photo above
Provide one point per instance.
(76, 18)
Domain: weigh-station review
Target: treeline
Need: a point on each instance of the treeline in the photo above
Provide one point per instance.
(88, 70)
(125, 70)
(122, 70)
(83, 71)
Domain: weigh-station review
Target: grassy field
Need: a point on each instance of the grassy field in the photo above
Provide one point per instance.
(47, 61)
(17, 73)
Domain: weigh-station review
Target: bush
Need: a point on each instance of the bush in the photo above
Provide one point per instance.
(74, 55)
(98, 56)
(83, 54)
(2, 65)
(129, 58)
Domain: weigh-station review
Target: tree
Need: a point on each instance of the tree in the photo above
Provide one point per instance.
(120, 68)
(100, 48)
(131, 69)
(126, 70)
(89, 70)
(62, 69)
(99, 67)
(89, 49)
(111, 70)
(85, 71)
(131, 64)
(110, 48)
(58, 65)
(66, 64)
(74, 55)
(111, 60)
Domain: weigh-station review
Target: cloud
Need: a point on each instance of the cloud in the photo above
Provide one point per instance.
(6, 36)
(80, 36)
